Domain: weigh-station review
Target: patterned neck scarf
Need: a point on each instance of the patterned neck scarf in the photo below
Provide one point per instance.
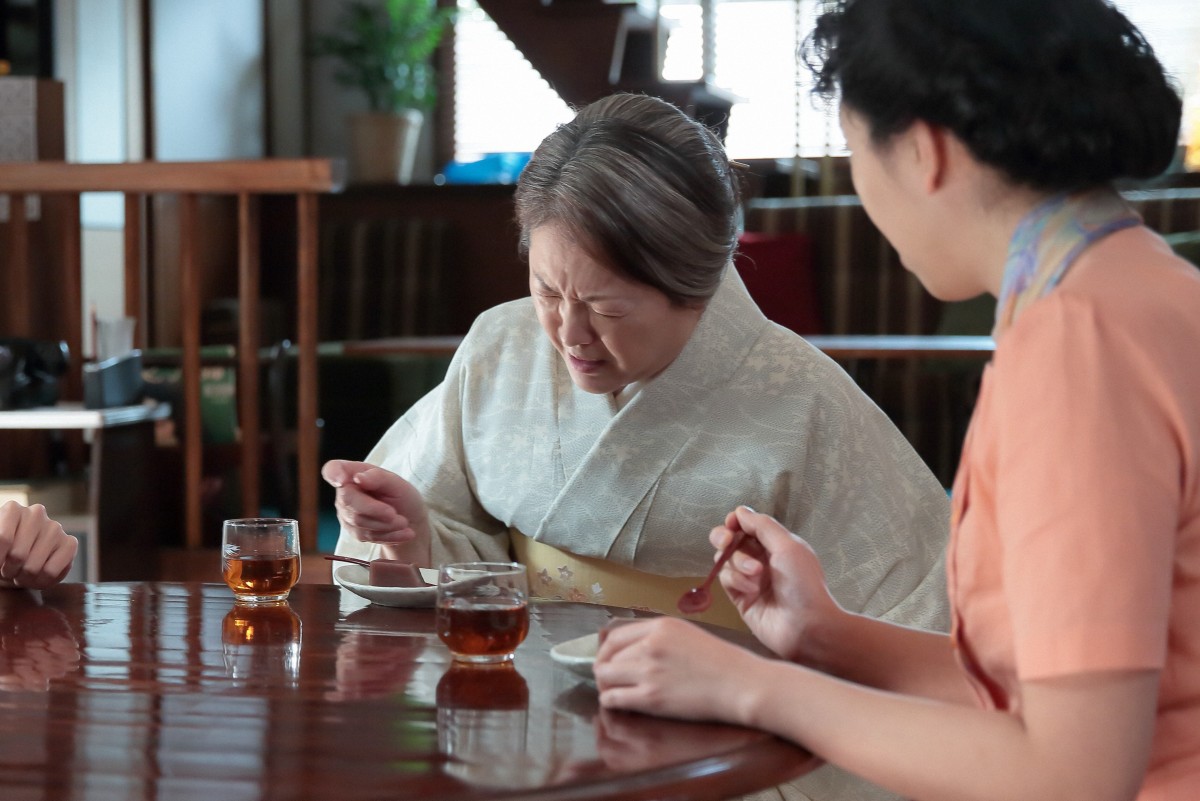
(1048, 241)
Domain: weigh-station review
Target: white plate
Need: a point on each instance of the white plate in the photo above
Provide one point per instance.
(577, 655)
(356, 579)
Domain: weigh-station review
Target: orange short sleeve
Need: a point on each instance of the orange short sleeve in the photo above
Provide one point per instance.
(1088, 492)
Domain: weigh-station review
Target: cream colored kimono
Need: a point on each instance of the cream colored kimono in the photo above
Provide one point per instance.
(749, 413)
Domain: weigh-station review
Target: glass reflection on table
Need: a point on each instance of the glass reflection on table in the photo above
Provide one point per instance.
(483, 726)
(261, 644)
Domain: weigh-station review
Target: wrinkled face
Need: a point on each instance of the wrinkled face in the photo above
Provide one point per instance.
(610, 330)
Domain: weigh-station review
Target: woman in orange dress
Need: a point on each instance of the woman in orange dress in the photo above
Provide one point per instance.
(985, 139)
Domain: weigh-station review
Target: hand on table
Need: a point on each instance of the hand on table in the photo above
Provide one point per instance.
(377, 506)
(775, 580)
(670, 667)
(35, 552)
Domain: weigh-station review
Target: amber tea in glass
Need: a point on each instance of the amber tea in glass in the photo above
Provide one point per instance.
(260, 558)
(482, 610)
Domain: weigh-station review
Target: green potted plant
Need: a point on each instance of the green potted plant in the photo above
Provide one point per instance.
(384, 49)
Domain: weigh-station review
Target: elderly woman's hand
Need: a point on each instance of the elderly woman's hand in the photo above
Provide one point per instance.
(378, 506)
(776, 582)
(35, 552)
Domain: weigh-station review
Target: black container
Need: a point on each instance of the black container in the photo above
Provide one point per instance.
(113, 382)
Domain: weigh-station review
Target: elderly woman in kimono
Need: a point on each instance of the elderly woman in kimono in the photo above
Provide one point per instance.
(596, 430)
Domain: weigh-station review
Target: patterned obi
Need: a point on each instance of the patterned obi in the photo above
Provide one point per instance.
(557, 575)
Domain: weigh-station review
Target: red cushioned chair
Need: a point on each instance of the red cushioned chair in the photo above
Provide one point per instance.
(777, 270)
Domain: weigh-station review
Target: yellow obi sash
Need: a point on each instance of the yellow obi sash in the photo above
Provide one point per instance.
(561, 576)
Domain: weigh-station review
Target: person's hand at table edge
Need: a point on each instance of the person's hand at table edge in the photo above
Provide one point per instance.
(35, 552)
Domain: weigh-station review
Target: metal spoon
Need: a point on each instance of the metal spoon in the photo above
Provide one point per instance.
(698, 599)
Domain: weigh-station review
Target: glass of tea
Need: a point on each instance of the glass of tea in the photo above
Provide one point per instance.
(482, 610)
(260, 558)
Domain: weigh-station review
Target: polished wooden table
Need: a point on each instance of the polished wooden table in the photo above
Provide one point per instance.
(170, 691)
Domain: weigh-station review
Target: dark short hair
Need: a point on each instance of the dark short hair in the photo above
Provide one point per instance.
(647, 189)
(1058, 95)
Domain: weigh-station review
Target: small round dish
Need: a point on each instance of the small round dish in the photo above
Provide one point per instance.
(577, 655)
(356, 579)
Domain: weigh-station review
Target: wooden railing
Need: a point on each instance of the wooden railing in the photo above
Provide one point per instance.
(838, 348)
(247, 181)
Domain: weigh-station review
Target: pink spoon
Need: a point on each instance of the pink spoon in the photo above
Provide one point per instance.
(698, 599)
(350, 559)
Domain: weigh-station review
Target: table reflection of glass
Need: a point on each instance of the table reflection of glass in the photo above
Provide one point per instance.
(483, 726)
(261, 644)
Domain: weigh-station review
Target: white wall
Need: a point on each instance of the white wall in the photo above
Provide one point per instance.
(208, 88)
(93, 51)
(289, 134)
(208, 100)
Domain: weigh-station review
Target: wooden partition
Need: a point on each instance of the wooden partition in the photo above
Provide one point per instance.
(302, 179)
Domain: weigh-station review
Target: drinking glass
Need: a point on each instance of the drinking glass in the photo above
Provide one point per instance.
(482, 610)
(260, 558)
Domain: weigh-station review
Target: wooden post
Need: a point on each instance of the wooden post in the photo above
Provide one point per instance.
(72, 295)
(20, 281)
(249, 339)
(193, 440)
(135, 271)
(307, 445)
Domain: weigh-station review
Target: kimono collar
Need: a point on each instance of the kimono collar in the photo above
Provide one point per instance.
(1047, 242)
(631, 450)
(729, 327)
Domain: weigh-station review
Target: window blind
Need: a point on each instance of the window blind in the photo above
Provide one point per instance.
(502, 104)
